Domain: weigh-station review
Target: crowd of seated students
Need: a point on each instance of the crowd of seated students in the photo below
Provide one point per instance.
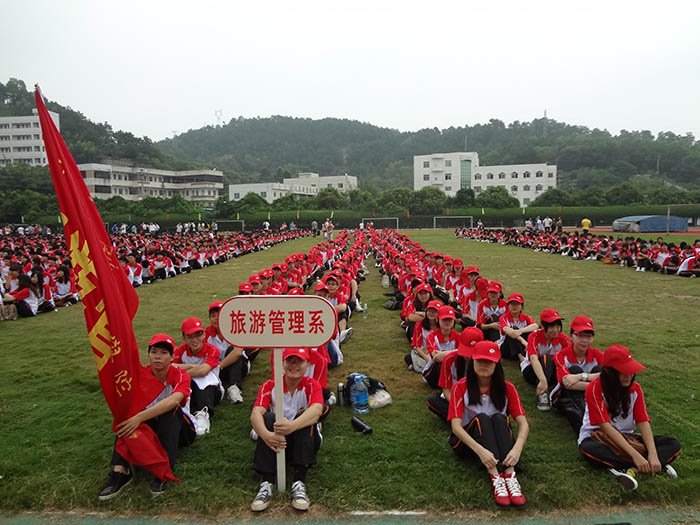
(206, 369)
(36, 274)
(645, 255)
(460, 326)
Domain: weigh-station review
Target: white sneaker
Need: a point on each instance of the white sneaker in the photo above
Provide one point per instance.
(201, 420)
(625, 478)
(346, 334)
(262, 499)
(670, 472)
(358, 307)
(300, 500)
(253, 435)
(234, 394)
(639, 269)
(332, 399)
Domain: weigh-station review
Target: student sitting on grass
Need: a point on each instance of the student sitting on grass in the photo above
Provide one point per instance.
(166, 414)
(439, 343)
(201, 361)
(418, 357)
(577, 365)
(298, 434)
(515, 328)
(614, 406)
(538, 366)
(415, 307)
(480, 406)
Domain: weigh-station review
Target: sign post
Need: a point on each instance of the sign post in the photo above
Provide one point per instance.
(277, 321)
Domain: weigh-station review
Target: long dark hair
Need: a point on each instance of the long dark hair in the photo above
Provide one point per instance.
(498, 386)
(419, 306)
(24, 281)
(425, 323)
(66, 274)
(616, 396)
(461, 367)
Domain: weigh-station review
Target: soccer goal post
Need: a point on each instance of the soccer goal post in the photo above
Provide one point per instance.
(382, 222)
(231, 225)
(453, 221)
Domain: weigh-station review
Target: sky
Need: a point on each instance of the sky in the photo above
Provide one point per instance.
(156, 68)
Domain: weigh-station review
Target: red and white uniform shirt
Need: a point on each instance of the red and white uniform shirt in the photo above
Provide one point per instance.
(209, 354)
(691, 263)
(485, 310)
(318, 365)
(309, 392)
(437, 342)
(537, 345)
(470, 304)
(565, 358)
(507, 320)
(420, 336)
(448, 371)
(597, 411)
(26, 295)
(178, 380)
(460, 407)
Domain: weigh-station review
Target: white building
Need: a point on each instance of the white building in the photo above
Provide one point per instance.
(449, 172)
(342, 183)
(133, 183)
(21, 140)
(304, 185)
(525, 182)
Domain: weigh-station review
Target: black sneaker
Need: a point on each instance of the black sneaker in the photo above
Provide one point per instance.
(158, 486)
(115, 483)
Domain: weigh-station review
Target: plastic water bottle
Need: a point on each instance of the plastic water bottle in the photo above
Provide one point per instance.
(359, 396)
(365, 312)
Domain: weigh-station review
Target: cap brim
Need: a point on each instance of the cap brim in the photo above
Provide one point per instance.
(465, 350)
(632, 367)
(491, 358)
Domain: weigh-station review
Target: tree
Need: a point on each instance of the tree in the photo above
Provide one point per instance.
(250, 202)
(428, 201)
(668, 196)
(400, 197)
(553, 197)
(624, 194)
(361, 200)
(592, 196)
(286, 203)
(330, 199)
(464, 198)
(496, 197)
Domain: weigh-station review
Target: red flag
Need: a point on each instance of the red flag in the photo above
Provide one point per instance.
(448, 211)
(297, 214)
(109, 301)
(408, 214)
(374, 213)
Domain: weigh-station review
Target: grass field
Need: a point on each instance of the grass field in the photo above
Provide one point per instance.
(56, 445)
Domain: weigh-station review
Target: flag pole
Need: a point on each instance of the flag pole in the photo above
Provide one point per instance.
(279, 417)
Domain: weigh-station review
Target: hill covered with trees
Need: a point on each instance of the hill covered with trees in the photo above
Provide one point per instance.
(267, 149)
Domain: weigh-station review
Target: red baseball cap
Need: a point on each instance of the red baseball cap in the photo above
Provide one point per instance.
(296, 291)
(255, 279)
(191, 325)
(468, 338)
(487, 350)
(446, 312)
(448, 259)
(245, 287)
(458, 263)
(619, 358)
(434, 304)
(423, 288)
(516, 297)
(216, 305)
(267, 274)
(277, 265)
(549, 315)
(300, 352)
(581, 323)
(162, 339)
(320, 286)
(482, 285)
(495, 286)
(473, 269)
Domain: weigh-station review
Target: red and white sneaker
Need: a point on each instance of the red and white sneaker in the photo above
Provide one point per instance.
(500, 491)
(516, 494)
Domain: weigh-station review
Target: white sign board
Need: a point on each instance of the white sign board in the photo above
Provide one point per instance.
(276, 321)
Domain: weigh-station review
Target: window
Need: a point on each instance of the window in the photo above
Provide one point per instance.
(489, 176)
(550, 175)
(514, 189)
(4, 137)
(526, 175)
(477, 189)
(36, 136)
(4, 126)
(274, 194)
(538, 187)
(340, 184)
(38, 160)
(514, 175)
(329, 185)
(526, 187)
(37, 148)
(448, 163)
(477, 176)
(5, 150)
(426, 163)
(426, 176)
(526, 202)
(36, 124)
(448, 188)
(501, 175)
(550, 187)
(263, 194)
(539, 174)
(448, 176)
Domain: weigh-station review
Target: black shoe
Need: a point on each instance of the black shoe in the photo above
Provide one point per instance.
(158, 486)
(115, 483)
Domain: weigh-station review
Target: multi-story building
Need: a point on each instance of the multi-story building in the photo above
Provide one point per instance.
(132, 183)
(21, 140)
(450, 172)
(304, 185)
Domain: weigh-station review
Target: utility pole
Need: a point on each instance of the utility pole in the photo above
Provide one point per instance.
(658, 158)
